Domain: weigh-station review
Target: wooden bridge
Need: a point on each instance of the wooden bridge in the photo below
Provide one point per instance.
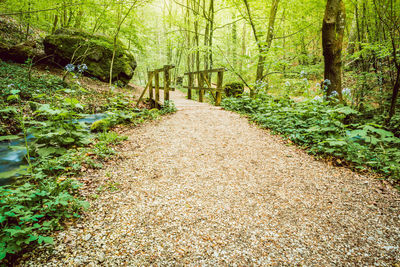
(199, 81)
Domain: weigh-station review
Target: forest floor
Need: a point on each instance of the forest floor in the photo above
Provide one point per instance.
(205, 187)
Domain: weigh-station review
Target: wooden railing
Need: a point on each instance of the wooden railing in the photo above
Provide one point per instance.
(154, 91)
(202, 77)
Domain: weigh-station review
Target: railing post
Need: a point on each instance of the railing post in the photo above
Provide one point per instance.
(190, 85)
(157, 89)
(219, 88)
(201, 85)
(166, 83)
(150, 88)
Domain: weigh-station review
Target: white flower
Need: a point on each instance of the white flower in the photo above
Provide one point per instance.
(70, 67)
(334, 93)
(317, 99)
(287, 83)
(346, 91)
(10, 85)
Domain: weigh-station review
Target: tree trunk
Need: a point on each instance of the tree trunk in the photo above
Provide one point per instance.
(234, 41)
(332, 40)
(54, 24)
(395, 95)
(264, 48)
(243, 48)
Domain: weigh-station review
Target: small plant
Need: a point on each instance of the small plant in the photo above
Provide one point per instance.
(234, 89)
(29, 211)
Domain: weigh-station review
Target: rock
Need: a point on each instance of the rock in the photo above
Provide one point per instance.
(4, 50)
(87, 237)
(234, 89)
(19, 53)
(99, 125)
(101, 257)
(96, 51)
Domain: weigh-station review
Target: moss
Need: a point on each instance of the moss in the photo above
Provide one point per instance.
(95, 51)
(100, 125)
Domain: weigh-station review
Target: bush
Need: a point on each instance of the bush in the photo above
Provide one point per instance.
(28, 212)
(323, 128)
(234, 89)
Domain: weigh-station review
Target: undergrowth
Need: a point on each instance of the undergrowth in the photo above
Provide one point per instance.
(325, 129)
(46, 192)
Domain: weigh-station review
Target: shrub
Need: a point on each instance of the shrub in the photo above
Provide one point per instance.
(234, 89)
(327, 129)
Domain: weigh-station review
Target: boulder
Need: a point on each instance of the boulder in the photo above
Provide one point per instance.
(19, 53)
(234, 89)
(96, 51)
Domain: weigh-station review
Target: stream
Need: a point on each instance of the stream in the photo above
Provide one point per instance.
(12, 153)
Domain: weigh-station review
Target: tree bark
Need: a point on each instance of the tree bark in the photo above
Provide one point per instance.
(270, 34)
(332, 40)
(395, 95)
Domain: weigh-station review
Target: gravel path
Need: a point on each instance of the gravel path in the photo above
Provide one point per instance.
(204, 187)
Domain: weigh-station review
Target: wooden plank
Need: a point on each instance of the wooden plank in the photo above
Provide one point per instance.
(209, 84)
(150, 90)
(145, 89)
(202, 88)
(162, 88)
(165, 67)
(190, 86)
(157, 90)
(200, 82)
(212, 70)
(220, 79)
(166, 83)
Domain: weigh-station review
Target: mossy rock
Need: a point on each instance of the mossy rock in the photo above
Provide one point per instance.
(234, 89)
(100, 125)
(94, 50)
(19, 53)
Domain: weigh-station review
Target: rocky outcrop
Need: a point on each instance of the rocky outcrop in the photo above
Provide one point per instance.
(79, 47)
(19, 53)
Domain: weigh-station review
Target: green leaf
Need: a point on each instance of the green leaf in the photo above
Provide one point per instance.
(15, 91)
(45, 239)
(12, 97)
(31, 238)
(9, 137)
(68, 140)
(43, 152)
(2, 254)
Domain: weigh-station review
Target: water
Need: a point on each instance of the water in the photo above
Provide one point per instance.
(12, 153)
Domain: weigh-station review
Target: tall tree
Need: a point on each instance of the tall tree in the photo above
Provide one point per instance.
(268, 40)
(389, 14)
(332, 40)
(263, 47)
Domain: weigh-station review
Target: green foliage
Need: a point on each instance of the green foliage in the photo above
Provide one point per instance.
(29, 211)
(14, 77)
(234, 89)
(62, 147)
(17, 85)
(59, 128)
(325, 129)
